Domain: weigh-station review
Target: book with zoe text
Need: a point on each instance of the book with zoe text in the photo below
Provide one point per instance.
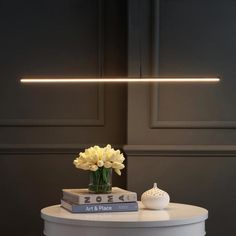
(82, 196)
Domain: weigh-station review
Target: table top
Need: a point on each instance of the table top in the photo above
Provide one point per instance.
(174, 214)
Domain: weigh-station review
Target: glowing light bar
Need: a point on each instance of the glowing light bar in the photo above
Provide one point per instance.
(117, 80)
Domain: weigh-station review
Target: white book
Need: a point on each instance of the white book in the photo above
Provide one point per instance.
(82, 196)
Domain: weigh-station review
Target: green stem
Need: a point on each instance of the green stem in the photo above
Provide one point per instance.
(100, 180)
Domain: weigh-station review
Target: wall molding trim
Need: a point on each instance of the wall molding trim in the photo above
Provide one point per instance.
(181, 150)
(48, 148)
(41, 148)
(129, 150)
(155, 123)
(97, 121)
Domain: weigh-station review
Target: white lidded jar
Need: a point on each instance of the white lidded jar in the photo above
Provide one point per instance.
(155, 198)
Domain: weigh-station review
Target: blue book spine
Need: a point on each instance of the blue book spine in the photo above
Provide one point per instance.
(105, 207)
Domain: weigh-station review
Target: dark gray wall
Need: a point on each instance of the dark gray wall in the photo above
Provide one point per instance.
(191, 175)
(61, 38)
(30, 182)
(42, 127)
(182, 136)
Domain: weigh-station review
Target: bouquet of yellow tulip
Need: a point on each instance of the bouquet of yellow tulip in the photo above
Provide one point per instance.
(100, 161)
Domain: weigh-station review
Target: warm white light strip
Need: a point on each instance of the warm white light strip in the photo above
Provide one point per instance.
(119, 80)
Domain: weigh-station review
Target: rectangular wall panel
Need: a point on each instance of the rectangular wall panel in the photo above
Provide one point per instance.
(202, 176)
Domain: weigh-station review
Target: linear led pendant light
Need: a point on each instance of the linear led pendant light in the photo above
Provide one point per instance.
(116, 80)
(65, 79)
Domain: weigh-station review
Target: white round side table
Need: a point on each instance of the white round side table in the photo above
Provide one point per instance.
(176, 220)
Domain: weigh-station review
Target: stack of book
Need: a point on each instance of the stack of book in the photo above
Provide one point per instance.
(81, 201)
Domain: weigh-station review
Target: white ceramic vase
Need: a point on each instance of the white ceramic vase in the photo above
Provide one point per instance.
(155, 198)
